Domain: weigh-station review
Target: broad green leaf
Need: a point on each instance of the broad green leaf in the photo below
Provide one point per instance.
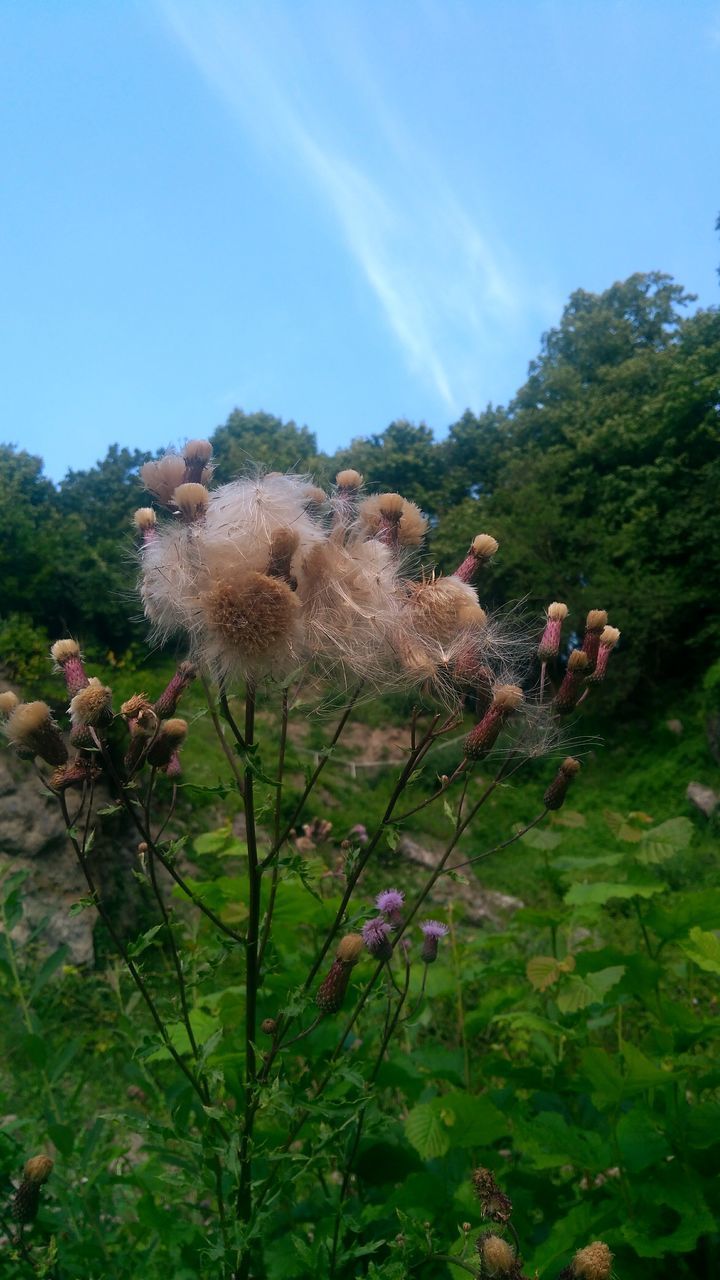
(541, 838)
(474, 1121)
(640, 1072)
(703, 949)
(542, 972)
(598, 892)
(621, 828)
(587, 864)
(666, 840)
(641, 1144)
(47, 969)
(426, 1132)
(533, 1022)
(674, 919)
(203, 1026)
(602, 980)
(570, 818)
(575, 995)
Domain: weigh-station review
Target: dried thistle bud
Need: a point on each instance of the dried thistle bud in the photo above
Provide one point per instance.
(79, 772)
(91, 705)
(595, 622)
(31, 731)
(549, 646)
(135, 706)
(482, 550)
(68, 659)
(493, 1202)
(191, 500)
(498, 1257)
(145, 522)
(163, 477)
(8, 702)
(480, 740)
(253, 614)
(197, 455)
(331, 992)
(167, 702)
(376, 938)
(594, 1262)
(572, 684)
(440, 607)
(283, 546)
(350, 948)
(554, 797)
(349, 479)
(609, 637)
(171, 735)
(27, 1197)
(393, 520)
(268, 1026)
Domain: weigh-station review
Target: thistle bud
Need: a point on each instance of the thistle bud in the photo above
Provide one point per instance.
(554, 797)
(549, 646)
(348, 481)
(167, 702)
(27, 1197)
(498, 1257)
(191, 500)
(331, 992)
(393, 520)
(481, 739)
(594, 625)
(432, 931)
(31, 731)
(493, 1202)
(196, 456)
(8, 702)
(283, 546)
(482, 550)
(375, 936)
(163, 477)
(171, 735)
(572, 685)
(67, 658)
(390, 902)
(91, 705)
(609, 637)
(174, 767)
(79, 772)
(594, 1262)
(268, 1026)
(145, 522)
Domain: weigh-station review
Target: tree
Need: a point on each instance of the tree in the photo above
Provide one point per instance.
(248, 440)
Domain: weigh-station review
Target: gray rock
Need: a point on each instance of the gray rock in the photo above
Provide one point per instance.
(704, 798)
(482, 906)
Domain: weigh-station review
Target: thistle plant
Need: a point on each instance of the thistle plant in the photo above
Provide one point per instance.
(281, 595)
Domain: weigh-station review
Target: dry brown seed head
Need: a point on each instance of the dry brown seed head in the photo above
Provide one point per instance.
(191, 500)
(62, 650)
(484, 546)
(253, 614)
(596, 620)
(348, 479)
(91, 705)
(350, 948)
(174, 730)
(32, 731)
(578, 662)
(594, 1262)
(497, 1255)
(570, 766)
(144, 518)
(315, 496)
(8, 702)
(507, 695)
(38, 1169)
(557, 611)
(163, 477)
(268, 1026)
(197, 451)
(609, 637)
(135, 705)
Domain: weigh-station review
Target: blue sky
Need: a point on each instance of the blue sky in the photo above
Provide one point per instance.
(338, 212)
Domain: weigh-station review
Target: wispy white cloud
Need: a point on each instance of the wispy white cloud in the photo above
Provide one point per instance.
(446, 292)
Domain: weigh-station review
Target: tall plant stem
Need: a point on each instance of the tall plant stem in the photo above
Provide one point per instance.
(267, 923)
(226, 748)
(244, 1196)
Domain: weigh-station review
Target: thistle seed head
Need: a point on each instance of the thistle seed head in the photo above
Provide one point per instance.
(170, 737)
(164, 476)
(350, 948)
(349, 479)
(38, 1169)
(253, 615)
(498, 1257)
(91, 705)
(594, 1262)
(31, 731)
(8, 702)
(393, 520)
(191, 500)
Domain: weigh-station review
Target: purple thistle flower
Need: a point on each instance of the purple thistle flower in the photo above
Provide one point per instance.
(433, 931)
(375, 935)
(390, 902)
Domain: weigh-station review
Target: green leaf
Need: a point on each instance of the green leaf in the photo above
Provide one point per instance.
(575, 995)
(640, 1142)
(699, 907)
(81, 905)
(602, 980)
(541, 838)
(542, 972)
(621, 828)
(664, 841)
(145, 940)
(570, 818)
(63, 1135)
(426, 1132)
(598, 892)
(47, 969)
(703, 949)
(474, 1121)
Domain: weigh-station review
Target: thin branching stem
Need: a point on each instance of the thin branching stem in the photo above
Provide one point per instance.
(275, 877)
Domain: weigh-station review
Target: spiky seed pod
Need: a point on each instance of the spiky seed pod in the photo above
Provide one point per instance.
(493, 1202)
(145, 522)
(79, 772)
(197, 455)
(572, 684)
(554, 797)
(171, 735)
(331, 992)
(283, 546)
(166, 704)
(191, 500)
(163, 477)
(482, 550)
(594, 1262)
(609, 637)
(27, 1197)
(8, 702)
(497, 1257)
(68, 659)
(480, 740)
(549, 646)
(91, 705)
(252, 615)
(31, 731)
(596, 621)
(392, 520)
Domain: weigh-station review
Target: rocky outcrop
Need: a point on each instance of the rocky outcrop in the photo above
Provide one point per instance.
(704, 798)
(481, 906)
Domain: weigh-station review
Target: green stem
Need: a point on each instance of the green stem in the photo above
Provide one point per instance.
(244, 1195)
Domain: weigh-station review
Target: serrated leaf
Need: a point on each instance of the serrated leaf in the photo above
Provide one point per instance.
(474, 1121)
(703, 949)
(602, 980)
(540, 838)
(599, 892)
(426, 1132)
(665, 841)
(570, 818)
(639, 1141)
(576, 994)
(47, 969)
(700, 907)
(621, 828)
(542, 972)
(82, 904)
(145, 940)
